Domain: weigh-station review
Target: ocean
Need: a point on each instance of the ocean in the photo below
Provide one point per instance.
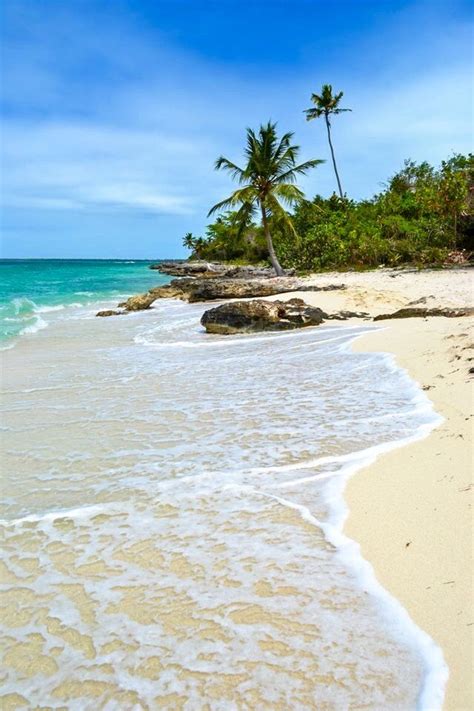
(31, 288)
(173, 508)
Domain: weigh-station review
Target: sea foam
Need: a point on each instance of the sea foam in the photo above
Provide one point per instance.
(179, 533)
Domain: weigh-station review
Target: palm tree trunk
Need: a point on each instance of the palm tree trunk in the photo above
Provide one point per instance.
(332, 154)
(273, 258)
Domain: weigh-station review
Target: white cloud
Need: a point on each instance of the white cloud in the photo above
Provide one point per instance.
(90, 127)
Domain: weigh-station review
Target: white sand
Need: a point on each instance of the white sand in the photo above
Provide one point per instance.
(411, 510)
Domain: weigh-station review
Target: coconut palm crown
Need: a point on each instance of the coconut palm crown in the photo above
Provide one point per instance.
(326, 104)
(267, 181)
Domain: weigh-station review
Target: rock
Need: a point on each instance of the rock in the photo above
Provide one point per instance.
(139, 303)
(194, 290)
(344, 315)
(203, 289)
(202, 269)
(191, 268)
(251, 316)
(250, 272)
(110, 312)
(416, 312)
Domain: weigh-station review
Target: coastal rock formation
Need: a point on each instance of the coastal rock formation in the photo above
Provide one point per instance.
(250, 316)
(249, 272)
(194, 290)
(110, 312)
(417, 312)
(212, 289)
(344, 315)
(139, 302)
(202, 269)
(192, 268)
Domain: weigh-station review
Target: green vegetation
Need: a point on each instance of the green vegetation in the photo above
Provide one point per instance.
(422, 216)
(267, 183)
(327, 104)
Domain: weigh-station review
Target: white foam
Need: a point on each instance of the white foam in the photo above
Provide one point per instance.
(48, 309)
(220, 437)
(39, 324)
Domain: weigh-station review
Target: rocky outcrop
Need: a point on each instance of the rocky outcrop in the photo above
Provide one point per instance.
(417, 312)
(202, 269)
(139, 303)
(191, 268)
(344, 315)
(249, 272)
(195, 290)
(110, 312)
(251, 316)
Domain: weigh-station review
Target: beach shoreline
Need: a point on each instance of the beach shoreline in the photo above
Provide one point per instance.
(417, 498)
(408, 510)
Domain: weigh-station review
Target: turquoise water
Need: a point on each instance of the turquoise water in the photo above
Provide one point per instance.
(32, 287)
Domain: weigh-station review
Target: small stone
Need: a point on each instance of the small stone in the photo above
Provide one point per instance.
(110, 312)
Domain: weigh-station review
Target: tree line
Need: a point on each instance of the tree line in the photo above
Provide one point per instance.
(424, 214)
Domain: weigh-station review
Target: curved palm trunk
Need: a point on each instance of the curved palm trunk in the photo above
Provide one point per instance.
(273, 258)
(332, 155)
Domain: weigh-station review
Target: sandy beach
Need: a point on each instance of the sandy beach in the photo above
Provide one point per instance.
(418, 498)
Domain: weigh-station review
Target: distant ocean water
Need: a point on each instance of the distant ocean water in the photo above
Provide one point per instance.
(32, 288)
(173, 507)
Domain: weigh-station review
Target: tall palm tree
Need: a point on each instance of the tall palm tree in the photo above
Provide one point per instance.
(326, 104)
(267, 180)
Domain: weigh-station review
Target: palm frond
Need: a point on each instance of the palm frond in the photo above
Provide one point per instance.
(301, 169)
(326, 103)
(312, 114)
(223, 163)
(243, 217)
(271, 167)
(281, 216)
(245, 194)
(289, 193)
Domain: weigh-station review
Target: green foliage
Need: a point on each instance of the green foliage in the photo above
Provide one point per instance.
(325, 103)
(420, 217)
(267, 182)
(228, 239)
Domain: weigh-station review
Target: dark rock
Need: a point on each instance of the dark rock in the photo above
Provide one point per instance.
(110, 312)
(344, 315)
(250, 272)
(251, 316)
(202, 269)
(414, 312)
(193, 290)
(203, 289)
(191, 268)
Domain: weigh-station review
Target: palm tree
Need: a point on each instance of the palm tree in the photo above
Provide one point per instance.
(189, 240)
(326, 104)
(267, 180)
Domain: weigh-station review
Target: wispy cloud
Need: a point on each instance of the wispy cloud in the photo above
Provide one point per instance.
(95, 123)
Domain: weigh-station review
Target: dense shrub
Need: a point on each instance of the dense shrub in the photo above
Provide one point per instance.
(421, 216)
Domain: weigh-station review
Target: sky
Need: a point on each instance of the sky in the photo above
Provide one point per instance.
(114, 111)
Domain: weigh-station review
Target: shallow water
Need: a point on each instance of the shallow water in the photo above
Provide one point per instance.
(32, 289)
(172, 519)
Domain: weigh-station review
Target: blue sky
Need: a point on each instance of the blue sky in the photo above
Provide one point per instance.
(114, 111)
